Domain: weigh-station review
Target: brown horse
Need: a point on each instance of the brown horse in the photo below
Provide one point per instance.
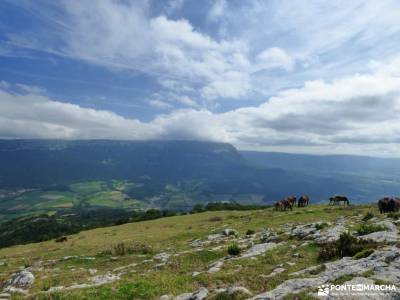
(388, 204)
(283, 205)
(303, 201)
(335, 200)
(292, 200)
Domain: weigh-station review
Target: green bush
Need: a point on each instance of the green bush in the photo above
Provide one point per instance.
(363, 253)
(250, 232)
(366, 228)
(346, 245)
(369, 215)
(321, 226)
(234, 249)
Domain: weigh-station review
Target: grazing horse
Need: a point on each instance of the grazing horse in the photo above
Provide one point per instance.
(292, 200)
(283, 205)
(288, 204)
(61, 239)
(278, 205)
(337, 199)
(388, 204)
(303, 201)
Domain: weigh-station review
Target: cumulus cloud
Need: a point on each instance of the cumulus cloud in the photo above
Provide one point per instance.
(356, 110)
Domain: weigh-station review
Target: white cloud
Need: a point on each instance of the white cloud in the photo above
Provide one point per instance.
(274, 58)
(352, 113)
(159, 104)
(185, 100)
(217, 10)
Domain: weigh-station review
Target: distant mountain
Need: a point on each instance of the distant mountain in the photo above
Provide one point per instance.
(175, 175)
(35, 163)
(325, 163)
(166, 173)
(370, 177)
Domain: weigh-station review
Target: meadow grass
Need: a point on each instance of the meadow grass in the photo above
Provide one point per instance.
(172, 235)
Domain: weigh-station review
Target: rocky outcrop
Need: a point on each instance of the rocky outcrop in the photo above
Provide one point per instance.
(268, 236)
(389, 235)
(312, 231)
(384, 262)
(234, 290)
(229, 232)
(201, 294)
(21, 280)
(215, 267)
(259, 249)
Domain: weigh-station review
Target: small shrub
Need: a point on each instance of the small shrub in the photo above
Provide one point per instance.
(321, 226)
(363, 253)
(368, 216)
(368, 273)
(215, 219)
(234, 249)
(366, 228)
(327, 251)
(346, 245)
(120, 249)
(250, 232)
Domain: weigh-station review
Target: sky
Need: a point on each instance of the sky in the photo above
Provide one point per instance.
(294, 76)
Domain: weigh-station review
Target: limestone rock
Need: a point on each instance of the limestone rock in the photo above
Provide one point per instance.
(259, 249)
(229, 232)
(201, 294)
(22, 279)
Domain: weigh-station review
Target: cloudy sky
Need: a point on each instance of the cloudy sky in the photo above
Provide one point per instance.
(295, 76)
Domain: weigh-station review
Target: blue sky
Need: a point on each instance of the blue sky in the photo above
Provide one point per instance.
(298, 76)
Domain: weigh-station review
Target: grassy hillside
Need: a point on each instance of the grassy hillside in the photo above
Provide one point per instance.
(129, 252)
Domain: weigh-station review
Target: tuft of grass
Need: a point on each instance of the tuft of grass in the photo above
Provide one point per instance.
(122, 249)
(318, 270)
(368, 273)
(363, 253)
(366, 228)
(394, 215)
(234, 249)
(368, 216)
(343, 279)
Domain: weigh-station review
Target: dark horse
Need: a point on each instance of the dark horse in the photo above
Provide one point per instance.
(283, 205)
(303, 201)
(388, 204)
(337, 199)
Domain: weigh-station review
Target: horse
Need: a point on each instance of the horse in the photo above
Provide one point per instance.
(61, 239)
(283, 205)
(337, 199)
(303, 201)
(287, 204)
(278, 205)
(292, 200)
(388, 204)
